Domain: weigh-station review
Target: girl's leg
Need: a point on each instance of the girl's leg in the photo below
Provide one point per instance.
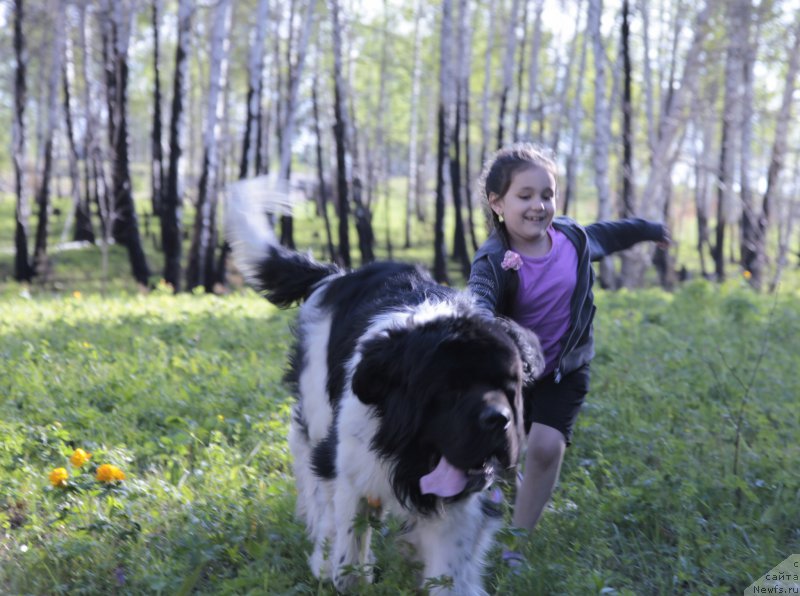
(546, 447)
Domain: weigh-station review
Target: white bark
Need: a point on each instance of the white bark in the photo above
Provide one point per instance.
(291, 102)
(255, 70)
(508, 71)
(487, 78)
(644, 9)
(575, 119)
(561, 91)
(413, 166)
(674, 118)
(533, 71)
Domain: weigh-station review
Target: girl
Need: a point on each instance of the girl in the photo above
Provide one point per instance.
(536, 269)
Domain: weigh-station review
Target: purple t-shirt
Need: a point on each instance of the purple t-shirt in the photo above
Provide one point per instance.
(545, 290)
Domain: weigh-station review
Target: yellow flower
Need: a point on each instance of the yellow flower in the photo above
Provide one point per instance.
(58, 477)
(76, 294)
(747, 275)
(79, 457)
(220, 417)
(109, 473)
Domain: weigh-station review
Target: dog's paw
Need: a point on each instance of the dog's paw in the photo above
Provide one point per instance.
(319, 563)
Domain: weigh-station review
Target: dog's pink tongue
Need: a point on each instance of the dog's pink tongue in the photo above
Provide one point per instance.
(445, 481)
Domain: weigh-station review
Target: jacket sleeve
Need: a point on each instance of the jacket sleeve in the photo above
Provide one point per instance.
(607, 237)
(484, 285)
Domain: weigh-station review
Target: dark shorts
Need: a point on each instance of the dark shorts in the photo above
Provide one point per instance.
(557, 404)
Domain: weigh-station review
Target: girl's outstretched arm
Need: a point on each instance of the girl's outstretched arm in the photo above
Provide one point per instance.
(607, 237)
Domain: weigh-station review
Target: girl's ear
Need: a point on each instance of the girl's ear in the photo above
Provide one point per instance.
(496, 203)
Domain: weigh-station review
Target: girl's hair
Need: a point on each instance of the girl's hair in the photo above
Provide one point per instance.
(500, 168)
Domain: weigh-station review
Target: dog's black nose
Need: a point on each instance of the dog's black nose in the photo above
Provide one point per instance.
(493, 418)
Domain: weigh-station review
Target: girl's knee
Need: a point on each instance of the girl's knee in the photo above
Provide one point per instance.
(546, 447)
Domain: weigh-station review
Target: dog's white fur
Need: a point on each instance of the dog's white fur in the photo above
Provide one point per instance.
(452, 544)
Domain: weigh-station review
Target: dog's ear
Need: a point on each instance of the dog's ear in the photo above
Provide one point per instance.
(378, 373)
(530, 350)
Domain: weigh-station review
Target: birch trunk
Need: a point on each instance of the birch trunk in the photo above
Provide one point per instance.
(43, 192)
(778, 155)
(563, 82)
(460, 253)
(487, 78)
(172, 207)
(23, 272)
(445, 103)
(125, 225)
(255, 71)
(200, 270)
(508, 71)
(785, 228)
(628, 199)
(533, 72)
(157, 151)
(287, 139)
(323, 191)
(576, 119)
(644, 10)
(602, 131)
(731, 122)
(654, 196)
(340, 135)
(81, 216)
(523, 42)
(413, 166)
(748, 220)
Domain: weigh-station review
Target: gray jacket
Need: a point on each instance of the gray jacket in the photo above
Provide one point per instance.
(495, 288)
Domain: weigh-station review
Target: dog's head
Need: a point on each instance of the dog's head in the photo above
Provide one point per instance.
(448, 394)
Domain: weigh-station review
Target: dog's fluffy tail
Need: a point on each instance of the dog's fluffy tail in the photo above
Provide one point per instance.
(285, 276)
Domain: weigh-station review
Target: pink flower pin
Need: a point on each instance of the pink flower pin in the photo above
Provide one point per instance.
(511, 260)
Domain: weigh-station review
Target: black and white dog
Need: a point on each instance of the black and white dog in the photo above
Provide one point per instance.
(409, 401)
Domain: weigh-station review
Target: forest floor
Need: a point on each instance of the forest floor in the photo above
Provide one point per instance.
(682, 477)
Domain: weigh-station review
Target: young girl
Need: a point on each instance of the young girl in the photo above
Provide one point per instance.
(536, 269)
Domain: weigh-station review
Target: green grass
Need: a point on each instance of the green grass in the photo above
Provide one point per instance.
(185, 395)
(681, 479)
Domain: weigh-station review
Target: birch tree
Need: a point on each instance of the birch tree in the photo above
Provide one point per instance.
(445, 103)
(654, 196)
(156, 150)
(80, 208)
(460, 253)
(561, 91)
(487, 77)
(290, 110)
(172, 207)
(200, 271)
(46, 152)
(118, 20)
(340, 136)
(575, 119)
(255, 73)
(413, 165)
(534, 102)
(602, 130)
(756, 260)
(508, 70)
(731, 122)
(23, 271)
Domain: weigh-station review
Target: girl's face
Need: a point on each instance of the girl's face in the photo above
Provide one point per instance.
(528, 208)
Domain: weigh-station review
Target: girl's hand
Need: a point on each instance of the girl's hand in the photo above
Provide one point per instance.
(666, 241)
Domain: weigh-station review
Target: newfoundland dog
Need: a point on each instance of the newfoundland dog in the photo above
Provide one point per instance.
(409, 401)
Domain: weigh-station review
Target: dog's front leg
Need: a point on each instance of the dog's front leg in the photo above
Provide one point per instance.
(452, 546)
(351, 551)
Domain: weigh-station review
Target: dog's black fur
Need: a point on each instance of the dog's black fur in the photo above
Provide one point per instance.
(427, 377)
